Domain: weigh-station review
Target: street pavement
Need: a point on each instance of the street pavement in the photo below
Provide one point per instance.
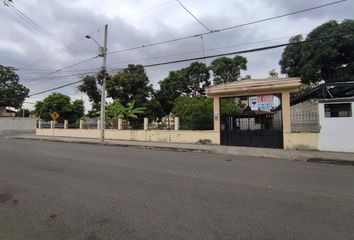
(51, 190)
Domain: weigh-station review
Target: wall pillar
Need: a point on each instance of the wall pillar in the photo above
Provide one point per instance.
(286, 117)
(98, 124)
(65, 124)
(217, 114)
(176, 123)
(146, 123)
(39, 124)
(285, 103)
(52, 124)
(81, 124)
(120, 122)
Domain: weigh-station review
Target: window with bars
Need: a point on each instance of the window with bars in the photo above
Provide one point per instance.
(334, 110)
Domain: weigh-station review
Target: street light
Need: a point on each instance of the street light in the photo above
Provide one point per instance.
(102, 53)
(100, 48)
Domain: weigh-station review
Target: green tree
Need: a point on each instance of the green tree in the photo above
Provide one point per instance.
(23, 113)
(60, 103)
(173, 86)
(78, 110)
(131, 84)
(228, 106)
(228, 69)
(197, 78)
(291, 57)
(117, 110)
(190, 81)
(247, 77)
(154, 109)
(330, 59)
(90, 86)
(196, 113)
(12, 93)
(273, 73)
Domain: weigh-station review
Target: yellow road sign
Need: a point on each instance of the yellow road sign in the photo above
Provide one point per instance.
(54, 115)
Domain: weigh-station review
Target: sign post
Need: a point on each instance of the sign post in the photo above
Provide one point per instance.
(54, 116)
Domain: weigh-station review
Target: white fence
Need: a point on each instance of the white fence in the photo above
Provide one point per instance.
(17, 123)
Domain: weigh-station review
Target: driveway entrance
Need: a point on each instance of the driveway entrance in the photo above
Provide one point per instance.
(254, 128)
(251, 129)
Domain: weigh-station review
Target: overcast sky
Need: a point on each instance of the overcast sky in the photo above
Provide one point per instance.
(139, 22)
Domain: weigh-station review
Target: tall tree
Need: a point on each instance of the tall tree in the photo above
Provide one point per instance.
(173, 86)
(12, 93)
(91, 88)
(273, 73)
(247, 77)
(57, 102)
(329, 59)
(190, 81)
(291, 57)
(197, 78)
(132, 84)
(228, 69)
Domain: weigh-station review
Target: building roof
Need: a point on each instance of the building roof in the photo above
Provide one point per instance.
(253, 87)
(337, 100)
(327, 91)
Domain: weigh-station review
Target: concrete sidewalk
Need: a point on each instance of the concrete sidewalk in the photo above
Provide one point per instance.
(312, 156)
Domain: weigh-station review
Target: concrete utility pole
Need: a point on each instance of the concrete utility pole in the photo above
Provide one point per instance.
(103, 54)
(103, 92)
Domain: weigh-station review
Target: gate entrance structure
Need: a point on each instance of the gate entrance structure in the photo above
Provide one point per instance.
(254, 128)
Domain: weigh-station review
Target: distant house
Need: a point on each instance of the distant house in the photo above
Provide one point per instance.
(6, 112)
(328, 111)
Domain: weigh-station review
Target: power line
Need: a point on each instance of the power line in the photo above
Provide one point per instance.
(40, 29)
(206, 50)
(199, 35)
(190, 13)
(228, 28)
(62, 86)
(210, 56)
(64, 76)
(59, 70)
(56, 88)
(80, 39)
(51, 70)
(56, 52)
(171, 55)
(70, 75)
(149, 9)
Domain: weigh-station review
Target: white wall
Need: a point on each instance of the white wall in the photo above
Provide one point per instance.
(336, 134)
(17, 123)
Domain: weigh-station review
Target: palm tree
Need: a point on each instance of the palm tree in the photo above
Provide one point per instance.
(116, 110)
(130, 112)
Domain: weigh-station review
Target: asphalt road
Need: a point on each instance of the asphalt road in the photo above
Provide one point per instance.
(65, 191)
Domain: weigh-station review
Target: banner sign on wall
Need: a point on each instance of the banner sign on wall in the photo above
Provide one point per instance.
(262, 103)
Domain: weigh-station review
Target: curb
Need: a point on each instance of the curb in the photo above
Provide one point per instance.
(224, 150)
(331, 161)
(110, 144)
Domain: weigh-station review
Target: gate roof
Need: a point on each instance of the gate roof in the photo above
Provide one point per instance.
(254, 87)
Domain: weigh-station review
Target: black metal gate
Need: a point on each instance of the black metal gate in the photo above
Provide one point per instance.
(252, 129)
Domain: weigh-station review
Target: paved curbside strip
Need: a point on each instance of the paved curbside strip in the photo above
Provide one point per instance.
(310, 156)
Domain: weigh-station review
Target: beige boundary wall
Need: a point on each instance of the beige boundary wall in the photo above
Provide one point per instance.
(301, 141)
(180, 136)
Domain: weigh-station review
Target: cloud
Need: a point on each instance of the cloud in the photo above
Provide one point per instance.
(138, 22)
